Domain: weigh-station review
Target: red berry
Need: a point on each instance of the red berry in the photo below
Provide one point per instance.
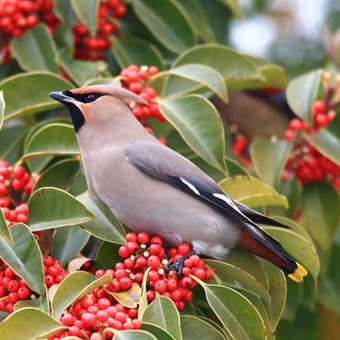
(125, 283)
(153, 261)
(289, 134)
(131, 237)
(318, 106)
(143, 237)
(160, 286)
(295, 124)
(184, 248)
(89, 319)
(68, 319)
(321, 120)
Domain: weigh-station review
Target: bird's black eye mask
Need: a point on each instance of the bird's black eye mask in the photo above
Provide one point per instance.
(84, 98)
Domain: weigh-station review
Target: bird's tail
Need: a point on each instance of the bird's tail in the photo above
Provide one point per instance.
(263, 245)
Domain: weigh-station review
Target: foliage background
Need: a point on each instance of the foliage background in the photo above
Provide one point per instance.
(188, 42)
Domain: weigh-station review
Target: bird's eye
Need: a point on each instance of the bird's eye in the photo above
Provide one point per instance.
(91, 97)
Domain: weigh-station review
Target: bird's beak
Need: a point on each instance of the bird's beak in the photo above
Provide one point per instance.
(61, 97)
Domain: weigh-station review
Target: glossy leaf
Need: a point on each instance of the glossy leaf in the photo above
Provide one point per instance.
(60, 175)
(54, 139)
(68, 242)
(302, 92)
(134, 335)
(24, 257)
(159, 17)
(232, 276)
(107, 255)
(199, 20)
(327, 141)
(139, 52)
(252, 192)
(36, 50)
(197, 328)
(269, 158)
(51, 208)
(198, 123)
(163, 313)
(4, 229)
(203, 75)
(158, 332)
(318, 204)
(33, 88)
(234, 6)
(238, 316)
(79, 70)
(2, 108)
(75, 286)
(87, 13)
(249, 264)
(277, 292)
(300, 248)
(18, 325)
(105, 225)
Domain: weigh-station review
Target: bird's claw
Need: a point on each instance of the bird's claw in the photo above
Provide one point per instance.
(179, 264)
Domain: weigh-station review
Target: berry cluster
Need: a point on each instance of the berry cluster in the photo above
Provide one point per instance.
(16, 185)
(142, 252)
(13, 288)
(18, 16)
(322, 116)
(95, 316)
(240, 146)
(89, 47)
(98, 314)
(54, 272)
(137, 79)
(308, 165)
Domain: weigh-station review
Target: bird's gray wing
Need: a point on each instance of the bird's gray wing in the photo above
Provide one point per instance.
(165, 164)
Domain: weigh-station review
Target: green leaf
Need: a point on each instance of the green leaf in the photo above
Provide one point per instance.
(4, 229)
(327, 141)
(134, 335)
(157, 331)
(234, 6)
(232, 276)
(87, 13)
(105, 225)
(75, 286)
(33, 88)
(201, 74)
(52, 208)
(252, 192)
(18, 325)
(107, 255)
(2, 108)
(79, 70)
(68, 242)
(302, 93)
(269, 158)
(197, 121)
(199, 20)
(197, 328)
(239, 317)
(318, 204)
(52, 140)
(24, 257)
(60, 175)
(277, 292)
(248, 263)
(159, 18)
(139, 52)
(163, 313)
(300, 248)
(232, 65)
(36, 50)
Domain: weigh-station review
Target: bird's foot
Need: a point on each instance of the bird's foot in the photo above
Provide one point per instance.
(179, 264)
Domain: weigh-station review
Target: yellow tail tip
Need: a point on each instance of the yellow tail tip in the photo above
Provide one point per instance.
(299, 274)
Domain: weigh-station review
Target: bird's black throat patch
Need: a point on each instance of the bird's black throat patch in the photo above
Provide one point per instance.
(77, 116)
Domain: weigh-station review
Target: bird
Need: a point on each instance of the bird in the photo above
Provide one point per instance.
(150, 187)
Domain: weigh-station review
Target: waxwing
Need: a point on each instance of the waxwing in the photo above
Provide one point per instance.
(152, 188)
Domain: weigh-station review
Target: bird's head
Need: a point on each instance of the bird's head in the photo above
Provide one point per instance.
(95, 104)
